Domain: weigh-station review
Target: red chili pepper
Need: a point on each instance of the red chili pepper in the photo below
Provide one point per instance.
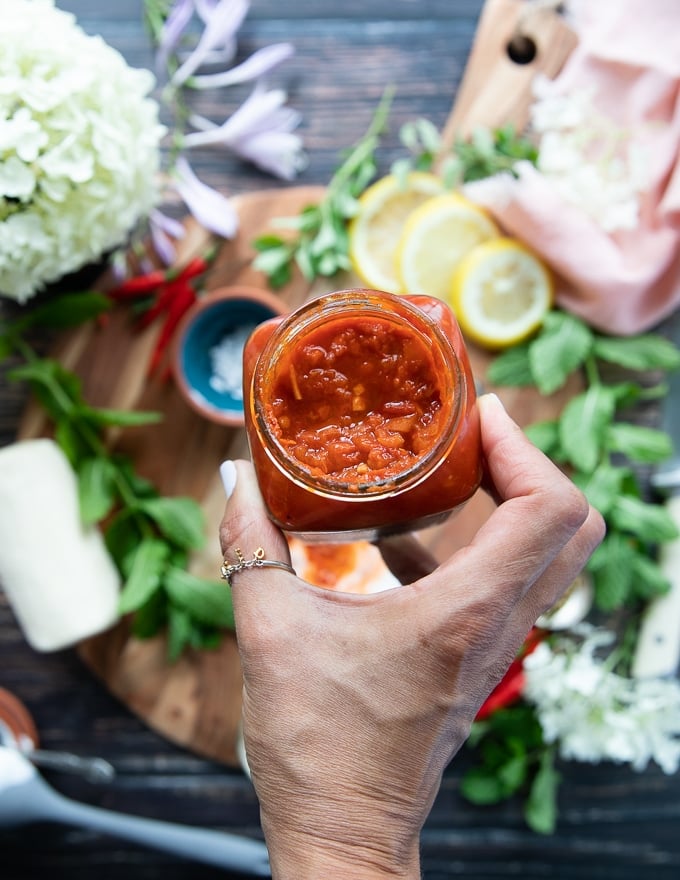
(166, 293)
(184, 298)
(194, 267)
(138, 285)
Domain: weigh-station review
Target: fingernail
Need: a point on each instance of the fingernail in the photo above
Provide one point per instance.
(228, 474)
(492, 399)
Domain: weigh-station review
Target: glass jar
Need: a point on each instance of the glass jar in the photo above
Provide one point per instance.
(361, 416)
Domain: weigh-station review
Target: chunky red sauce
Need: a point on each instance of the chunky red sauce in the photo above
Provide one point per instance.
(357, 401)
(350, 416)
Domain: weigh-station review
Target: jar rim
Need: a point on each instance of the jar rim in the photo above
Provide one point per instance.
(367, 302)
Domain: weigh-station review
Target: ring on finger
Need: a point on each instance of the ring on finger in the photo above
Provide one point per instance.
(229, 569)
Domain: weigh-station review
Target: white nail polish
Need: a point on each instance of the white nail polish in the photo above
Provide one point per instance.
(228, 474)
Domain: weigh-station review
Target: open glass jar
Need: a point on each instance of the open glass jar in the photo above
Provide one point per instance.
(361, 416)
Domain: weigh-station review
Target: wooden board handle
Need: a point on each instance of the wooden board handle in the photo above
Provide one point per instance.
(497, 89)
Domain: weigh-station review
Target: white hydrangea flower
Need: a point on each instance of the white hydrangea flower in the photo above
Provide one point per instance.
(79, 147)
(594, 714)
(592, 164)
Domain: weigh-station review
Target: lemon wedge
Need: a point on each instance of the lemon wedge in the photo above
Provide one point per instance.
(500, 293)
(375, 231)
(435, 238)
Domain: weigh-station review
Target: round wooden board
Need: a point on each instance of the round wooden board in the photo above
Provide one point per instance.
(196, 702)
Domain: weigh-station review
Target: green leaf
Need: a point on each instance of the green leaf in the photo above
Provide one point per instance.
(206, 601)
(645, 352)
(68, 310)
(648, 579)
(545, 435)
(96, 489)
(648, 522)
(512, 368)
(583, 426)
(6, 347)
(180, 520)
(540, 810)
(482, 786)
(612, 568)
(639, 443)
(122, 418)
(561, 347)
(180, 631)
(150, 617)
(148, 563)
(603, 486)
(71, 442)
(122, 538)
(513, 773)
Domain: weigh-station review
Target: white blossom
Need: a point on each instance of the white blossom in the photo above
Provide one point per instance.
(595, 714)
(79, 147)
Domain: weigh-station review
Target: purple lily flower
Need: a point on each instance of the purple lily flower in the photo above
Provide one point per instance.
(209, 207)
(256, 65)
(180, 15)
(164, 232)
(224, 20)
(259, 131)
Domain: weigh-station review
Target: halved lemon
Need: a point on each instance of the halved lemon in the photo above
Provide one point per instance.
(435, 239)
(375, 231)
(500, 293)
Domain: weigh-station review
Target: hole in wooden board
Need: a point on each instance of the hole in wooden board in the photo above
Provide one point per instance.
(522, 49)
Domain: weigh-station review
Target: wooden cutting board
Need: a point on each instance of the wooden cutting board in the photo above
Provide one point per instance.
(196, 702)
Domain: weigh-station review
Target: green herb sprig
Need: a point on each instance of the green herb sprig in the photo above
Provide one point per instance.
(597, 445)
(320, 245)
(485, 153)
(149, 536)
(514, 759)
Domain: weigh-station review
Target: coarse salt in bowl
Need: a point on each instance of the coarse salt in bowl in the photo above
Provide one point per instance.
(208, 354)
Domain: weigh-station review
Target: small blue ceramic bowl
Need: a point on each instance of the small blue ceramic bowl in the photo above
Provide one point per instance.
(208, 353)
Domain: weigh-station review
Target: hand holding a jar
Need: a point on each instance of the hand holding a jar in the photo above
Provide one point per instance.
(353, 705)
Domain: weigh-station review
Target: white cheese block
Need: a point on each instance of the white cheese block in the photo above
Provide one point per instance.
(58, 576)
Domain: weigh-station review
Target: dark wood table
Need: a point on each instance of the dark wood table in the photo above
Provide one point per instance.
(614, 824)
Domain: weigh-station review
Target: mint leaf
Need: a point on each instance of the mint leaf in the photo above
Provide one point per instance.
(144, 579)
(482, 786)
(545, 435)
(645, 352)
(179, 519)
(180, 632)
(540, 810)
(612, 568)
(512, 368)
(96, 489)
(583, 426)
(206, 601)
(648, 522)
(68, 310)
(561, 347)
(639, 443)
(648, 579)
(123, 418)
(603, 486)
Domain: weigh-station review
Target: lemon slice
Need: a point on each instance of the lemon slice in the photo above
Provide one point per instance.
(435, 239)
(375, 231)
(500, 293)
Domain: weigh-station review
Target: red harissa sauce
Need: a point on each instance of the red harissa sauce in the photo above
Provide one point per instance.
(361, 416)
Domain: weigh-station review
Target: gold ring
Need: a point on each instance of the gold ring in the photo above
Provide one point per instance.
(258, 561)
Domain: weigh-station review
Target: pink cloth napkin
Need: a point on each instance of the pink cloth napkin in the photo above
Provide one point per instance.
(625, 281)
